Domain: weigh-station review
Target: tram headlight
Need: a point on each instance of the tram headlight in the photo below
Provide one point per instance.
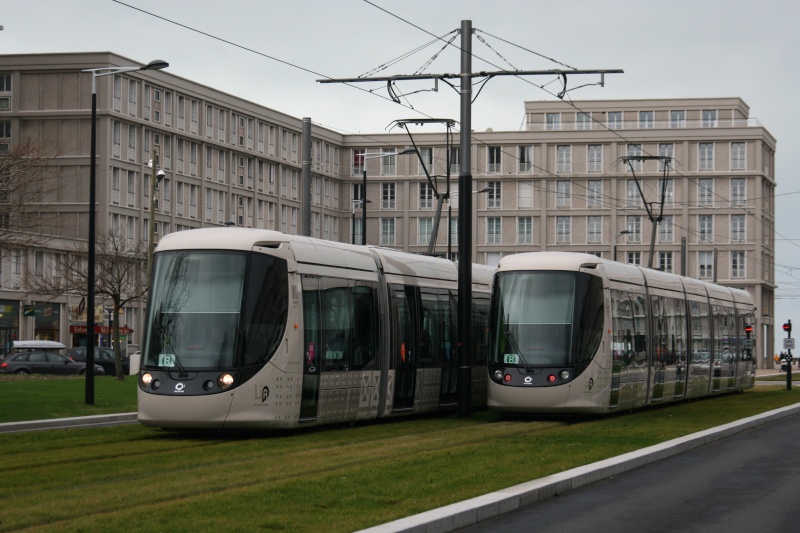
(498, 375)
(147, 378)
(564, 375)
(225, 381)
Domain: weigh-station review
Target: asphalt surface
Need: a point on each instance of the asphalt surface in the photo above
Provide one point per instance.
(748, 482)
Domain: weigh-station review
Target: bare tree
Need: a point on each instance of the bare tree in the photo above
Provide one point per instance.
(120, 277)
(27, 183)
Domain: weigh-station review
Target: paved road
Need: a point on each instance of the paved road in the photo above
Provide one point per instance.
(748, 482)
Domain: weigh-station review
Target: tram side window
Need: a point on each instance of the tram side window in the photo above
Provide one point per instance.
(660, 334)
(724, 350)
(622, 316)
(747, 338)
(640, 328)
(365, 327)
(311, 321)
(701, 333)
(337, 327)
(676, 331)
(435, 322)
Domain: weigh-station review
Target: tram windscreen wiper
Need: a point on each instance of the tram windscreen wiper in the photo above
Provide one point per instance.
(514, 345)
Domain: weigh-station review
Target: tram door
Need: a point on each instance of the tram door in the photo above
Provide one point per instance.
(404, 344)
(311, 342)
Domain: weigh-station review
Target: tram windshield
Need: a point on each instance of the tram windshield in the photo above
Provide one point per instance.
(215, 310)
(546, 318)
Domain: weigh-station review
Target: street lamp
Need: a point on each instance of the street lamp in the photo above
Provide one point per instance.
(623, 232)
(364, 190)
(157, 64)
(155, 179)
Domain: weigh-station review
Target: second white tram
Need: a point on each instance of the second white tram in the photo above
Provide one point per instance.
(573, 333)
(258, 329)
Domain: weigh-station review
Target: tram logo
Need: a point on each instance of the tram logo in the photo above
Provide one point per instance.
(264, 394)
(179, 387)
(528, 380)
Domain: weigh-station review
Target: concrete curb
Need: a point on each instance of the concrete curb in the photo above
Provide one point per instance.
(78, 421)
(469, 512)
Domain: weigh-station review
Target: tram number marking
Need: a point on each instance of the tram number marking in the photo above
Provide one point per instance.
(166, 359)
(511, 359)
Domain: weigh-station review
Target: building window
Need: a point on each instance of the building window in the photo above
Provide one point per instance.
(634, 258)
(595, 158)
(387, 232)
(615, 120)
(666, 229)
(425, 196)
(524, 230)
(705, 228)
(563, 230)
(525, 157)
(564, 159)
(709, 118)
(705, 264)
(553, 121)
(646, 121)
(563, 194)
(494, 230)
(665, 261)
(584, 121)
(635, 150)
(667, 151)
(738, 191)
(738, 269)
(738, 156)
(705, 191)
(358, 162)
(455, 161)
(677, 119)
(425, 227)
(634, 225)
(493, 160)
(666, 192)
(632, 196)
(594, 193)
(388, 197)
(426, 163)
(525, 195)
(5, 92)
(494, 198)
(706, 156)
(738, 228)
(389, 162)
(594, 229)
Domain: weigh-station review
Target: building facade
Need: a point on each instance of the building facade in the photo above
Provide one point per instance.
(589, 176)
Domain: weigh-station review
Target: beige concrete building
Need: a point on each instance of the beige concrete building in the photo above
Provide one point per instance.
(561, 184)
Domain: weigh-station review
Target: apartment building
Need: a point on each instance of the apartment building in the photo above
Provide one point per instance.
(589, 176)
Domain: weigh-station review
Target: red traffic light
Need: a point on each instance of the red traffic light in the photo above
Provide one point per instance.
(787, 326)
(748, 328)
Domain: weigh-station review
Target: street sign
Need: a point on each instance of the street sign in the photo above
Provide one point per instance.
(788, 344)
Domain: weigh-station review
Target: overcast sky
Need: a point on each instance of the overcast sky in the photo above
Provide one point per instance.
(272, 52)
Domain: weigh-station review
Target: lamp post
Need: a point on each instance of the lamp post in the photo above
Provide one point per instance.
(157, 64)
(623, 232)
(155, 179)
(364, 190)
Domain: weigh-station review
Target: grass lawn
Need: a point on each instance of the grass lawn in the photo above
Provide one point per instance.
(38, 397)
(339, 478)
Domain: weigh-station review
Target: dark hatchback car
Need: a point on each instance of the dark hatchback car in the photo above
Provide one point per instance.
(103, 357)
(44, 363)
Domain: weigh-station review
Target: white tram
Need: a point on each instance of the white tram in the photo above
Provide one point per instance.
(253, 328)
(573, 333)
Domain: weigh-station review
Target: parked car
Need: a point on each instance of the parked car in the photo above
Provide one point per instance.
(103, 357)
(31, 346)
(41, 362)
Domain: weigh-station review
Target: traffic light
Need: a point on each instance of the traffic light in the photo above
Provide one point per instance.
(787, 327)
(748, 329)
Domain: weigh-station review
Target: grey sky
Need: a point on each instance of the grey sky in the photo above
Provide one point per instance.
(682, 48)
